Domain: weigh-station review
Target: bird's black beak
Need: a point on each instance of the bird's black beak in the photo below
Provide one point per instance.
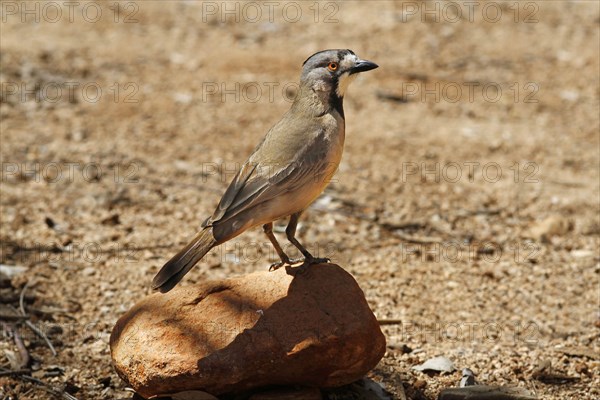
(362, 66)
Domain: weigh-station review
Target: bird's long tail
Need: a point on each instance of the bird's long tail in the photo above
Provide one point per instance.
(176, 268)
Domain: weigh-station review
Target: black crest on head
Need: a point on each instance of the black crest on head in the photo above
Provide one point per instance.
(340, 53)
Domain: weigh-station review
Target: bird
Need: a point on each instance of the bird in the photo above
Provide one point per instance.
(287, 170)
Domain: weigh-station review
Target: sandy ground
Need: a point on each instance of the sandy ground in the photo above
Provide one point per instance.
(466, 205)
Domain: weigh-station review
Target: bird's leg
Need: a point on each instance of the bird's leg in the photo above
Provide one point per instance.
(290, 232)
(268, 228)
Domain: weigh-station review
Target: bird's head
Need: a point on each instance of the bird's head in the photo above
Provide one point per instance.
(331, 71)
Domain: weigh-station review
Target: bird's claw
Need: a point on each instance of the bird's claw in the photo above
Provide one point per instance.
(316, 260)
(305, 262)
(276, 266)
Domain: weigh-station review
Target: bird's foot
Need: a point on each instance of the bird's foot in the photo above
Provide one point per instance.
(316, 260)
(305, 262)
(309, 261)
(277, 265)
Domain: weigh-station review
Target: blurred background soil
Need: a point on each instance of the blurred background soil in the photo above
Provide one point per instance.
(466, 205)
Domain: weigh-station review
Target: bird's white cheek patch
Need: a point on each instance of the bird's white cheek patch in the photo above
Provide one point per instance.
(343, 82)
(321, 86)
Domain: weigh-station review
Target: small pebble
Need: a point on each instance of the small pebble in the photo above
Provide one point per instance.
(419, 384)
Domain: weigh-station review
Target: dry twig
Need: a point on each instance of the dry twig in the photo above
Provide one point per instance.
(24, 357)
(13, 317)
(15, 372)
(30, 324)
(389, 321)
(50, 389)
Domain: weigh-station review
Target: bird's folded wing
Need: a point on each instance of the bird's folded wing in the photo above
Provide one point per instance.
(256, 184)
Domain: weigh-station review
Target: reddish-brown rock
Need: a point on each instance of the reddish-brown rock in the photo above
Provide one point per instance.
(311, 328)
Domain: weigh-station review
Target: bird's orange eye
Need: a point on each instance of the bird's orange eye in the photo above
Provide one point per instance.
(332, 66)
